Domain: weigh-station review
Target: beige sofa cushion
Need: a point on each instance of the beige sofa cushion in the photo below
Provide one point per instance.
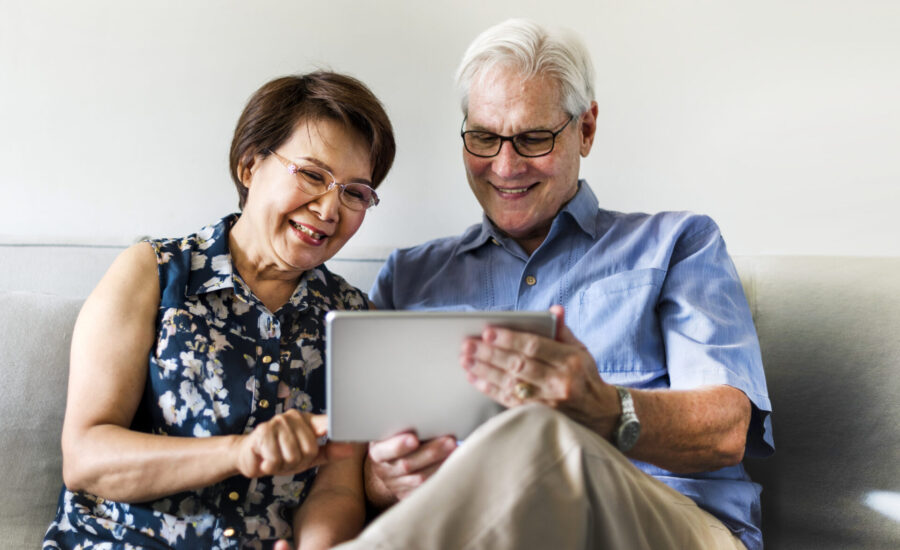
(36, 330)
(829, 329)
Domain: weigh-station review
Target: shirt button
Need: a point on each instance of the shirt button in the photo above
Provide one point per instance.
(264, 403)
(233, 495)
(267, 359)
(495, 241)
(530, 280)
(229, 532)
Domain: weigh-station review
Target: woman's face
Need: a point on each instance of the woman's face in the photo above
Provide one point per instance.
(295, 231)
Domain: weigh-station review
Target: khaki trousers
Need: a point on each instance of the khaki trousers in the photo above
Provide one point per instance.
(531, 478)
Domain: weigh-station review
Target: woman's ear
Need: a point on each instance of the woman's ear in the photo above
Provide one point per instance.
(246, 169)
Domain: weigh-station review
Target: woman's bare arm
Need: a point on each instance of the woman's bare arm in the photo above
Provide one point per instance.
(113, 337)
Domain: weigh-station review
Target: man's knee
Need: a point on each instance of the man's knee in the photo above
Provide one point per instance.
(531, 418)
(538, 426)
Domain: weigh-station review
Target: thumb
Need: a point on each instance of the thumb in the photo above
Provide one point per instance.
(319, 423)
(563, 334)
(282, 545)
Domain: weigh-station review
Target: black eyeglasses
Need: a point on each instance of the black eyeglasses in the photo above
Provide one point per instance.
(533, 143)
(316, 181)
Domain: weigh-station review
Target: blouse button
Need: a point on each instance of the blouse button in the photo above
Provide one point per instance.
(233, 495)
(229, 532)
(530, 280)
(264, 403)
(267, 359)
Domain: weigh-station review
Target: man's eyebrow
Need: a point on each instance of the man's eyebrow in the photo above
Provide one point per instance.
(538, 128)
(325, 166)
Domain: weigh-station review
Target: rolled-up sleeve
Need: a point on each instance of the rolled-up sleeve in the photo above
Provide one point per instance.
(708, 329)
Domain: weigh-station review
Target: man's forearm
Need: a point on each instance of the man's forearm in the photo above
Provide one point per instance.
(688, 431)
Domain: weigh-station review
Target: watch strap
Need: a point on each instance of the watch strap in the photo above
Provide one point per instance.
(626, 401)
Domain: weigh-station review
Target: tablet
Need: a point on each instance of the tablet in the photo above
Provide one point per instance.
(393, 371)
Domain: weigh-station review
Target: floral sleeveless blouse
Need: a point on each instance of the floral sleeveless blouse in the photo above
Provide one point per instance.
(222, 364)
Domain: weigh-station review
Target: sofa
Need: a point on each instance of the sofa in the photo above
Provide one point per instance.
(829, 328)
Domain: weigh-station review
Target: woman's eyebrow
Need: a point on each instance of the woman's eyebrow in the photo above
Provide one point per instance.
(325, 166)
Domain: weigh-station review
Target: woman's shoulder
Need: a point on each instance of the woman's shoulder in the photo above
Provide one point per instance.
(212, 237)
(137, 263)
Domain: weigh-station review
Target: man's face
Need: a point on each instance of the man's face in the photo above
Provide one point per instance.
(522, 195)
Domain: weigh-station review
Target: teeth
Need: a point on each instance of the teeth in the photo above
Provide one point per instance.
(307, 231)
(513, 191)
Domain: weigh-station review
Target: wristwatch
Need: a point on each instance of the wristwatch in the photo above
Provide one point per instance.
(629, 428)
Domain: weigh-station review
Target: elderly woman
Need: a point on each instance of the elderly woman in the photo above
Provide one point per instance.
(196, 392)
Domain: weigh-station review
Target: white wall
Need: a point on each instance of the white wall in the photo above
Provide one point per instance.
(781, 118)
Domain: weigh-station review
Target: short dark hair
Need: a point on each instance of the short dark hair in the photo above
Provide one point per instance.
(278, 106)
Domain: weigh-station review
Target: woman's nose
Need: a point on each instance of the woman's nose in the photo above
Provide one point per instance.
(328, 204)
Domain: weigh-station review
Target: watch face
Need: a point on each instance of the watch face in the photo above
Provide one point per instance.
(628, 434)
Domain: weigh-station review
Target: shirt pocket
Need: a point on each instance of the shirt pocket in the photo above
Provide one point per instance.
(618, 323)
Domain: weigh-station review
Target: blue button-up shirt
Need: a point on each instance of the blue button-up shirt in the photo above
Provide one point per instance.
(655, 298)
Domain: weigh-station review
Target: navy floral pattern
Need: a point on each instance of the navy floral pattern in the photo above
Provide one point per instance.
(223, 363)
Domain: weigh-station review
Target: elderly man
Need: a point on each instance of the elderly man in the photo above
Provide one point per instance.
(653, 391)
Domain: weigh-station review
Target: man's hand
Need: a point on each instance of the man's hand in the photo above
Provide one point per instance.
(287, 444)
(513, 368)
(398, 465)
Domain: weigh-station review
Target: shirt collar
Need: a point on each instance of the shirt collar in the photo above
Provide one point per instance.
(211, 267)
(582, 209)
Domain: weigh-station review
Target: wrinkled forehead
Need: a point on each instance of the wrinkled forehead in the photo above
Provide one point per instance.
(504, 96)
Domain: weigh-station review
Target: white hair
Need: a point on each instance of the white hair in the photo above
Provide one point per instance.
(532, 50)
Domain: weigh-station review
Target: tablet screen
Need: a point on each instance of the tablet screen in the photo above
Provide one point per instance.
(393, 371)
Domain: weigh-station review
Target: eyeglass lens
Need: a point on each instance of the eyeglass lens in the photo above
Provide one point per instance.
(528, 144)
(316, 181)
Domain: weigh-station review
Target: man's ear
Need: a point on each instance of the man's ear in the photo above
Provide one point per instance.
(588, 128)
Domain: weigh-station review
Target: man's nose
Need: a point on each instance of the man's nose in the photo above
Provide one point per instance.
(508, 163)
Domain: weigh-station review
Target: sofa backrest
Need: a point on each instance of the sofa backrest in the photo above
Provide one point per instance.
(829, 330)
(35, 332)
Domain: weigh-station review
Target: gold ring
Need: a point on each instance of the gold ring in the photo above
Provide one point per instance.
(524, 390)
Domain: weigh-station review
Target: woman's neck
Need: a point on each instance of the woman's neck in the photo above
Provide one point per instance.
(272, 285)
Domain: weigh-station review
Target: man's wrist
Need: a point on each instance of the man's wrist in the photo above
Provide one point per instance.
(628, 428)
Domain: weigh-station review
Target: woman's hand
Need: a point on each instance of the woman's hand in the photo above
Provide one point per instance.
(287, 444)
